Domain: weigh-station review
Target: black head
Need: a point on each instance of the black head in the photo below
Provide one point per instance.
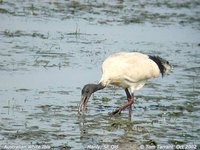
(163, 64)
(86, 92)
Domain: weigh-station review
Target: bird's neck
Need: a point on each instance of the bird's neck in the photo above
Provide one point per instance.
(98, 87)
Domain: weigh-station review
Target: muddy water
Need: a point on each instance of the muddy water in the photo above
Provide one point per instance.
(50, 49)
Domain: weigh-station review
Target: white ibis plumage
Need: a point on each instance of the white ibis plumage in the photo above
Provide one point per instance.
(129, 70)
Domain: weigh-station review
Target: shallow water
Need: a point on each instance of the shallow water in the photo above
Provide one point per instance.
(50, 49)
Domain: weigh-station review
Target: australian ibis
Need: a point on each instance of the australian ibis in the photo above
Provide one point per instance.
(129, 70)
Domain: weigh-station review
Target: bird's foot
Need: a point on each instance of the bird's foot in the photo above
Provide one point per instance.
(116, 112)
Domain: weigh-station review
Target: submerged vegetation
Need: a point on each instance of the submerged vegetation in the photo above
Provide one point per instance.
(109, 12)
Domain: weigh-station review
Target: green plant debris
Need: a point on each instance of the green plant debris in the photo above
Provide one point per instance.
(105, 99)
(175, 114)
(176, 142)
(151, 143)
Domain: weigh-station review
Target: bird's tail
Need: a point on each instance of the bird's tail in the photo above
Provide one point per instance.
(164, 66)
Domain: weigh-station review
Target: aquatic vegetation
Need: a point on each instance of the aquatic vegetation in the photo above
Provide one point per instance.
(105, 99)
(19, 33)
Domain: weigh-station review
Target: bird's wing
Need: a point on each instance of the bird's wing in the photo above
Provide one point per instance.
(132, 67)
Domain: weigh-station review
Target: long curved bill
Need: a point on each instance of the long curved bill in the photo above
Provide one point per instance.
(83, 103)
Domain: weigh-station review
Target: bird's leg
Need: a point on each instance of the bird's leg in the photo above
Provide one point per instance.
(130, 112)
(130, 98)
